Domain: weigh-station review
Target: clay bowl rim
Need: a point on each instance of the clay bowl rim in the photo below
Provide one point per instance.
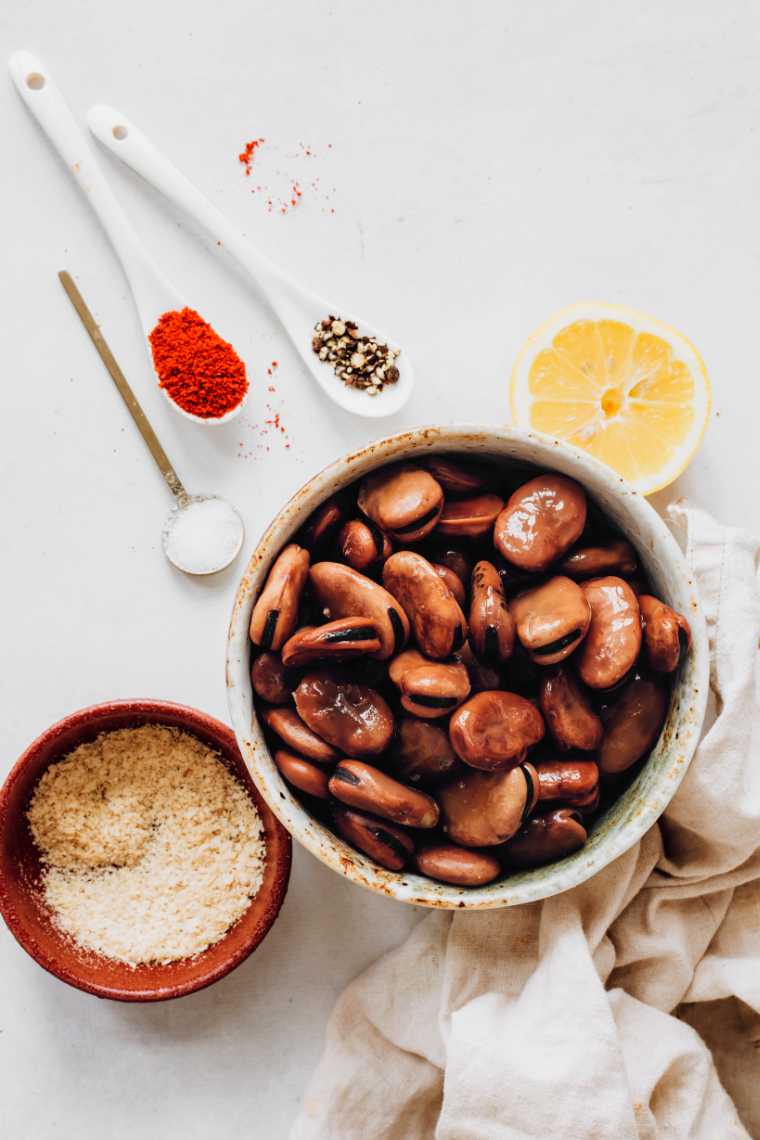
(83, 723)
(636, 810)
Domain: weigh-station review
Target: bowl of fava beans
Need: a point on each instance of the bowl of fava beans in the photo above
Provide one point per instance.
(467, 667)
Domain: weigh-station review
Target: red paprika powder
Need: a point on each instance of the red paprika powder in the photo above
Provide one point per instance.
(197, 369)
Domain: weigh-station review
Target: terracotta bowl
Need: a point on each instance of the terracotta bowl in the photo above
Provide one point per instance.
(648, 795)
(26, 914)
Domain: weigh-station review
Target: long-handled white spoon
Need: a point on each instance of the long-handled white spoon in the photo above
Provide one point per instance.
(203, 533)
(298, 309)
(154, 295)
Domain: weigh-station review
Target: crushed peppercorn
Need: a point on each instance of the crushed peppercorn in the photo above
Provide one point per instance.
(359, 361)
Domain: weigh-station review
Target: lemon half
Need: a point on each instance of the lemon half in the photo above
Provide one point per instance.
(620, 384)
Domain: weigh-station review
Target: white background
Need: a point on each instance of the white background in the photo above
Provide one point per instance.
(491, 162)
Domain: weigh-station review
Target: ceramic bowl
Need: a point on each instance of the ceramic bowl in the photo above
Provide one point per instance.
(647, 796)
(28, 918)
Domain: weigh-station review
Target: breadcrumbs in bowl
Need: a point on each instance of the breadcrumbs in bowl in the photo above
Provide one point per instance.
(53, 893)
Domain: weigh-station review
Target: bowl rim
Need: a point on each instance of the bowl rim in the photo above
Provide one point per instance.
(193, 721)
(521, 887)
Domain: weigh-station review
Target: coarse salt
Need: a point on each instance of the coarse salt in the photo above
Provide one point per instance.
(203, 536)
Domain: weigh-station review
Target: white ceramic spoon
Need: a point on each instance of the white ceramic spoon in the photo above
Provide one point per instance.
(297, 308)
(153, 293)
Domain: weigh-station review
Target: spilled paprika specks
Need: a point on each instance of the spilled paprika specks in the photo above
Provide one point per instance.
(198, 370)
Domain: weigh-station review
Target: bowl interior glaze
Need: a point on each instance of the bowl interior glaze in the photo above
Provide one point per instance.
(647, 796)
(25, 912)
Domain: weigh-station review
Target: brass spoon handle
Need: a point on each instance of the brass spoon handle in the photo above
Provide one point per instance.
(133, 407)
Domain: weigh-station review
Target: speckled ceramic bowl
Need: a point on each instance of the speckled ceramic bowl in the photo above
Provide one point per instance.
(24, 910)
(646, 798)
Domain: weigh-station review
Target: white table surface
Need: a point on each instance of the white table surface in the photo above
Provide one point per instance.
(489, 163)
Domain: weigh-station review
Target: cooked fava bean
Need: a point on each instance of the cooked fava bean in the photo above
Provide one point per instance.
(667, 635)
(403, 500)
(493, 730)
(275, 614)
(552, 619)
(363, 544)
(361, 786)
(541, 521)
(492, 627)
(547, 837)
(388, 845)
(338, 640)
(570, 781)
(568, 713)
(422, 752)
(344, 592)
(613, 641)
(354, 718)
(632, 724)
(469, 518)
(322, 522)
(409, 659)
(482, 675)
(457, 477)
(432, 690)
(287, 724)
(303, 775)
(614, 557)
(270, 680)
(458, 865)
(438, 623)
(452, 580)
(481, 809)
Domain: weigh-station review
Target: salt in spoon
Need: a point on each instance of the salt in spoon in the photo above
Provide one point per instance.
(154, 295)
(297, 308)
(185, 528)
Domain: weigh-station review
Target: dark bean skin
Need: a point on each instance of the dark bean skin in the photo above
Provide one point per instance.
(403, 500)
(452, 580)
(422, 752)
(362, 544)
(270, 680)
(568, 781)
(614, 557)
(540, 522)
(433, 690)
(613, 641)
(552, 619)
(275, 614)
(494, 729)
(344, 592)
(483, 809)
(287, 724)
(469, 518)
(339, 640)
(388, 845)
(301, 774)
(492, 626)
(438, 623)
(322, 523)
(460, 866)
(546, 837)
(568, 712)
(632, 724)
(353, 718)
(456, 476)
(667, 635)
(367, 788)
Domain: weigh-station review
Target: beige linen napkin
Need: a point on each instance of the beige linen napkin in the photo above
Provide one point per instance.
(568, 1018)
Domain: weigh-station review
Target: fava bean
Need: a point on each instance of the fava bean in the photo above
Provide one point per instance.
(270, 680)
(452, 580)
(552, 619)
(613, 641)
(353, 718)
(403, 500)
(433, 690)
(438, 623)
(361, 786)
(287, 724)
(667, 635)
(322, 523)
(614, 557)
(460, 866)
(547, 837)
(275, 614)
(362, 544)
(482, 809)
(569, 781)
(492, 626)
(469, 518)
(567, 709)
(303, 775)
(632, 724)
(388, 845)
(494, 729)
(338, 640)
(422, 752)
(540, 522)
(344, 592)
(456, 476)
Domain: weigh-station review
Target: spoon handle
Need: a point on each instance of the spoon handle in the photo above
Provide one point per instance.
(125, 391)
